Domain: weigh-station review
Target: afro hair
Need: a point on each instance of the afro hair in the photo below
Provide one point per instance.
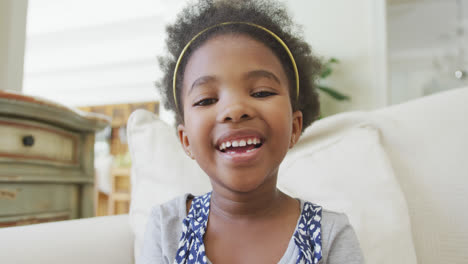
(269, 14)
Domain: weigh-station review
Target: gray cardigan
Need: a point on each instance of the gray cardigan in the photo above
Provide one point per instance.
(164, 229)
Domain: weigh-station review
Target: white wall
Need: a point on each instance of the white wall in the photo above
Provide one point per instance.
(12, 39)
(355, 33)
(423, 47)
(95, 52)
(413, 76)
(91, 52)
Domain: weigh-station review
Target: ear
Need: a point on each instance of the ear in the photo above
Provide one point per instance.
(184, 141)
(296, 128)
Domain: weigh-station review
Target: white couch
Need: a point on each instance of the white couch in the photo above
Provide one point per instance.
(425, 142)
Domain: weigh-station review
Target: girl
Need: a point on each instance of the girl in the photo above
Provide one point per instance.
(242, 86)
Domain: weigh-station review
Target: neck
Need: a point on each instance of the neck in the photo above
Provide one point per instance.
(233, 205)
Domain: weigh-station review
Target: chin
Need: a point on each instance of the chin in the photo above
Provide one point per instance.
(242, 183)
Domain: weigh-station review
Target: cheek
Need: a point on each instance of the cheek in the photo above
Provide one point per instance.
(281, 126)
(281, 118)
(198, 130)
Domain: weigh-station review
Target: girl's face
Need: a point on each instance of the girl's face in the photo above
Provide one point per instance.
(238, 120)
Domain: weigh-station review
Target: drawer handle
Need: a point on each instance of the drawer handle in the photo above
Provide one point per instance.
(28, 141)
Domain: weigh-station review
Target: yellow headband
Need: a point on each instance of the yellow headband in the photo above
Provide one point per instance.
(296, 73)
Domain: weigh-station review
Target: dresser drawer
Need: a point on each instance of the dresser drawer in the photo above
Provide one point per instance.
(31, 142)
(30, 203)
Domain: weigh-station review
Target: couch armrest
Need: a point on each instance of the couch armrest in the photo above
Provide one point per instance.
(93, 240)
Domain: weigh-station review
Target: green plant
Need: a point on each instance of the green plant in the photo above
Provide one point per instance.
(325, 73)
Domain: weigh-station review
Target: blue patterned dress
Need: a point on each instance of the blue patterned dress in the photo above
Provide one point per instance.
(307, 236)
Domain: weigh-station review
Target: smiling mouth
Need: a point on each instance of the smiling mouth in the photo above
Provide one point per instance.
(240, 146)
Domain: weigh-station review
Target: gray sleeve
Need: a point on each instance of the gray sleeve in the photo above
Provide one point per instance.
(343, 245)
(152, 248)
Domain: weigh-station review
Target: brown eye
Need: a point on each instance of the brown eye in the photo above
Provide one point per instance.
(205, 102)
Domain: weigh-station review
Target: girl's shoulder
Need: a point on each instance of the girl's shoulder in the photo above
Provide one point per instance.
(330, 219)
(334, 220)
(337, 231)
(331, 222)
(172, 209)
(163, 229)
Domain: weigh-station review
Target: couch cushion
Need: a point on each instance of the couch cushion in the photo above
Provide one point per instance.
(160, 169)
(96, 240)
(337, 163)
(341, 165)
(426, 140)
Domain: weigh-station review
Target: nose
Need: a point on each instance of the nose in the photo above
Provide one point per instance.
(235, 111)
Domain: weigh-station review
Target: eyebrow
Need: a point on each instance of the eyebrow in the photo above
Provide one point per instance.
(262, 74)
(202, 80)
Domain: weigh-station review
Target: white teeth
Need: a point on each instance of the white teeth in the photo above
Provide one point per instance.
(240, 143)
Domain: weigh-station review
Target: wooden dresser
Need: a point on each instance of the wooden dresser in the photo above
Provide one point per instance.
(46, 160)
